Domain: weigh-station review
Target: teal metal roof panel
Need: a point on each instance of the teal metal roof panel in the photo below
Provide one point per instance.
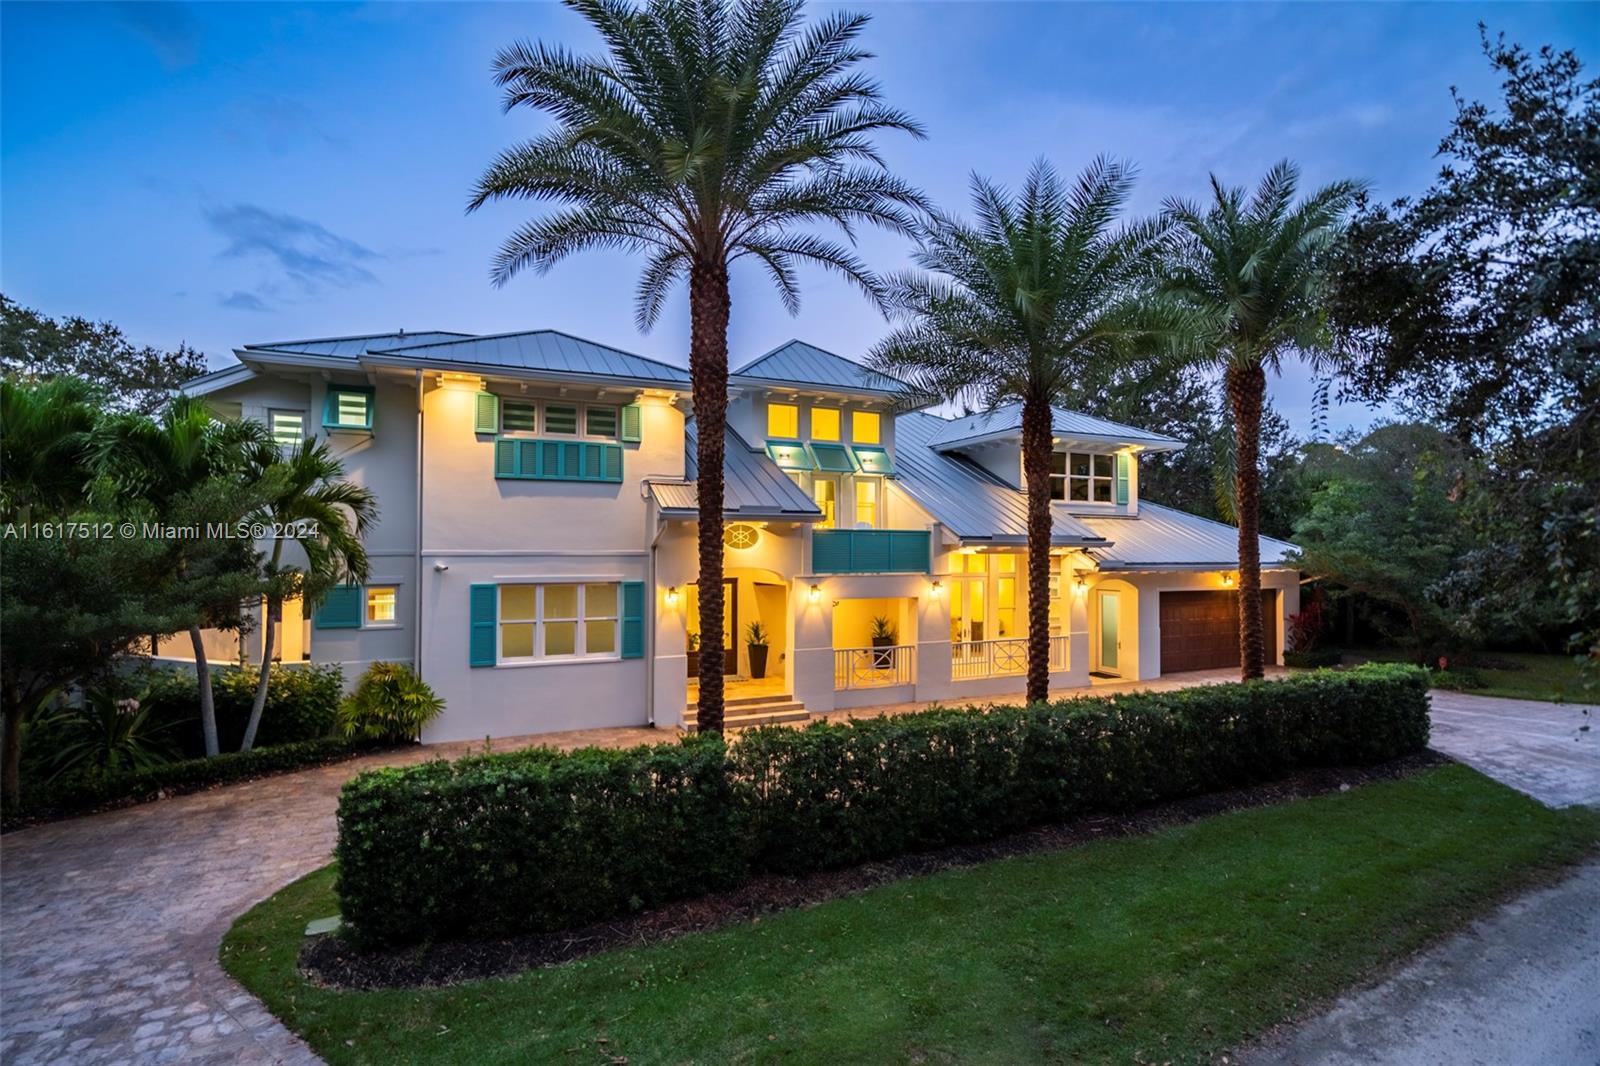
(802, 364)
(544, 350)
(357, 346)
(1006, 420)
(753, 486)
(1163, 536)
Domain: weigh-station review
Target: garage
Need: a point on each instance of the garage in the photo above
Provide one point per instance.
(1200, 630)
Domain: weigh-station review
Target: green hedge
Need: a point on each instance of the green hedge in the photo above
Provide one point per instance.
(85, 792)
(534, 841)
(302, 704)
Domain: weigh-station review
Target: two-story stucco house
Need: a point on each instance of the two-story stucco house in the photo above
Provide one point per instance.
(535, 556)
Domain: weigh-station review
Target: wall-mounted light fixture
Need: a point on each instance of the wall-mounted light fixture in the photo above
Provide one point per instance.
(450, 379)
(815, 595)
(672, 595)
(1080, 585)
(938, 587)
(1227, 580)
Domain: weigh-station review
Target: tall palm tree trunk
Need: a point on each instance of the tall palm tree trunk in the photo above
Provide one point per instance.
(1247, 389)
(274, 607)
(1036, 448)
(208, 704)
(709, 307)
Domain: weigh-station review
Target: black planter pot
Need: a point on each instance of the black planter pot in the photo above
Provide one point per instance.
(758, 660)
(694, 664)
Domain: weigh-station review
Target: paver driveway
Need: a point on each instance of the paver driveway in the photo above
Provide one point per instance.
(1543, 749)
(112, 922)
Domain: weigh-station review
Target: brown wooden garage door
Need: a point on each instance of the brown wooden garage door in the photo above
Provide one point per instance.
(1200, 630)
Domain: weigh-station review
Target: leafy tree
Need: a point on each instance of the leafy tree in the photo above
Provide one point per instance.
(132, 378)
(185, 466)
(44, 427)
(1017, 306)
(1253, 266)
(1388, 523)
(306, 487)
(709, 131)
(1477, 305)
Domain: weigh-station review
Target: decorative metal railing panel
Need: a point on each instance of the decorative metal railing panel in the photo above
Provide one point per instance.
(1005, 657)
(882, 667)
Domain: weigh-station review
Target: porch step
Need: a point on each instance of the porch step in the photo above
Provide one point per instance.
(751, 701)
(746, 714)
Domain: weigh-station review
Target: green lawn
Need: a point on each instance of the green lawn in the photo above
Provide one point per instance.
(1166, 947)
(1543, 677)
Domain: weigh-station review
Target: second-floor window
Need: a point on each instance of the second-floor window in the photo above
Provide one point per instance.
(824, 423)
(865, 427)
(288, 428)
(558, 419)
(866, 502)
(1082, 477)
(783, 421)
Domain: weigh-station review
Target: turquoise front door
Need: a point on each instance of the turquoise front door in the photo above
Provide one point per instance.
(1110, 619)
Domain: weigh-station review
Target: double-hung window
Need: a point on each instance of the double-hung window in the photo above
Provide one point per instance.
(558, 621)
(1082, 477)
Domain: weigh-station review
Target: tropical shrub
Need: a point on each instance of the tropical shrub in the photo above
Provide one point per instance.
(102, 734)
(540, 840)
(390, 703)
(302, 704)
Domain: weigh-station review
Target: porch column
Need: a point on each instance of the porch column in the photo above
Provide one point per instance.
(1077, 673)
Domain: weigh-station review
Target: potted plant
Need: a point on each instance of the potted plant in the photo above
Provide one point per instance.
(694, 654)
(883, 636)
(755, 636)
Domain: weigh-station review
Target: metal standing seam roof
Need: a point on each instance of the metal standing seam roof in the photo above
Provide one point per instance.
(1007, 419)
(800, 364)
(968, 500)
(354, 347)
(1165, 537)
(544, 350)
(753, 486)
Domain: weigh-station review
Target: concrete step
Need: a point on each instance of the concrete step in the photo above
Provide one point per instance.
(752, 701)
(747, 717)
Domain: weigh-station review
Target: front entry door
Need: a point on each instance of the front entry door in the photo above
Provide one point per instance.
(1110, 632)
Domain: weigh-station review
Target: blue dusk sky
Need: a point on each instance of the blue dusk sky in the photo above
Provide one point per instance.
(226, 173)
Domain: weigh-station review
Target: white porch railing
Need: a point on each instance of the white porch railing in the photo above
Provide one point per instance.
(1006, 657)
(873, 667)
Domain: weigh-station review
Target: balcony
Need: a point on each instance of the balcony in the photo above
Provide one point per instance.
(871, 551)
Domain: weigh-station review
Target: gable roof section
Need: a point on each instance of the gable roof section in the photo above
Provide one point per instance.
(543, 352)
(216, 380)
(1006, 420)
(968, 500)
(803, 365)
(753, 486)
(354, 347)
(1166, 537)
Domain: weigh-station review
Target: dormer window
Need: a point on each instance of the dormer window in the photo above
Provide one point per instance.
(865, 427)
(783, 421)
(825, 423)
(1082, 477)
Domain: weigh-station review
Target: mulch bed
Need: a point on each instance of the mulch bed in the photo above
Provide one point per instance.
(330, 962)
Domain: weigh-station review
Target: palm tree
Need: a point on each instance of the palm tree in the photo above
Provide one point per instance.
(307, 487)
(44, 427)
(710, 131)
(172, 463)
(1019, 305)
(1253, 267)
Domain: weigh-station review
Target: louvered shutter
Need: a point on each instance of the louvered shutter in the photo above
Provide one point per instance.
(633, 619)
(480, 613)
(487, 413)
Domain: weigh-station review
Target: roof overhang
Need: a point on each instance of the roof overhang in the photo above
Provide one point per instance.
(1015, 434)
(812, 388)
(401, 361)
(216, 380)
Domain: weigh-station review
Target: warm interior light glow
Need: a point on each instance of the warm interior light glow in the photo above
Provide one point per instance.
(1227, 581)
(450, 379)
(938, 587)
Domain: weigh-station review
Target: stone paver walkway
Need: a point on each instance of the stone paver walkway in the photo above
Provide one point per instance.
(110, 923)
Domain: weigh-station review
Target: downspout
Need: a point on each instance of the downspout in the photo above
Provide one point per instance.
(416, 628)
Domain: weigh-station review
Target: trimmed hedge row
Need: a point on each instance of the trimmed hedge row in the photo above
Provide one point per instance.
(539, 840)
(85, 792)
(302, 703)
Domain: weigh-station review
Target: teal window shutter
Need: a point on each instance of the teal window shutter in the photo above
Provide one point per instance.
(487, 418)
(1124, 460)
(481, 617)
(633, 619)
(341, 608)
(632, 422)
(834, 458)
(505, 459)
(613, 471)
(527, 458)
(348, 407)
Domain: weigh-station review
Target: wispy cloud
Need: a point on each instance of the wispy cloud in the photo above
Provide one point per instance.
(311, 255)
(170, 28)
(243, 301)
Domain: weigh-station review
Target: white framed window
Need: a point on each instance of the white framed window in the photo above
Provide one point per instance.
(866, 427)
(1082, 477)
(518, 416)
(866, 502)
(288, 428)
(783, 421)
(561, 419)
(825, 423)
(825, 492)
(557, 621)
(600, 422)
(381, 605)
